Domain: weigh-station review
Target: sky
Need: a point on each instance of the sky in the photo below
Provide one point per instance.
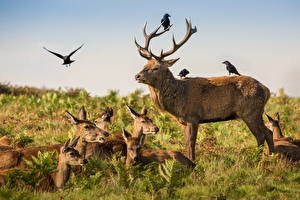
(260, 37)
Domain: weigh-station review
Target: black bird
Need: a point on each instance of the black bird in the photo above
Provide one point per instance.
(231, 68)
(165, 21)
(67, 59)
(183, 73)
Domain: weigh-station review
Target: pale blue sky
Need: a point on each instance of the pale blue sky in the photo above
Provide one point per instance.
(262, 38)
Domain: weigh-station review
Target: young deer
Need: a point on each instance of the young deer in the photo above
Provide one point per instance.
(201, 100)
(68, 156)
(284, 145)
(136, 154)
(87, 131)
(117, 143)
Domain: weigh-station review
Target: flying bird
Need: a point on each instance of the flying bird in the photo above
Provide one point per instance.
(231, 68)
(183, 73)
(67, 59)
(165, 21)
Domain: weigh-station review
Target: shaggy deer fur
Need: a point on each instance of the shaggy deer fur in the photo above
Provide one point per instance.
(68, 156)
(285, 146)
(136, 154)
(201, 100)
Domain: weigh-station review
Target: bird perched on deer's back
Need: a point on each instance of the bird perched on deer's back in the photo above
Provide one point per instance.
(183, 73)
(231, 68)
(67, 59)
(165, 21)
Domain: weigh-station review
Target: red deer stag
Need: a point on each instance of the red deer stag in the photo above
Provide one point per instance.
(136, 154)
(201, 100)
(68, 156)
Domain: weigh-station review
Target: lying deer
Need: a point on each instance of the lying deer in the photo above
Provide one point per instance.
(68, 156)
(117, 143)
(136, 154)
(284, 145)
(87, 131)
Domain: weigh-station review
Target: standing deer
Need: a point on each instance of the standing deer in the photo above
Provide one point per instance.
(68, 156)
(117, 144)
(201, 100)
(136, 154)
(284, 145)
(87, 131)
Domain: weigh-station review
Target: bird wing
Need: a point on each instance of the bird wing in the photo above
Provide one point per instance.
(74, 51)
(162, 20)
(57, 54)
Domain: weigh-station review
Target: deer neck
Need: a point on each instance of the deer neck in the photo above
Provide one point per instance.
(277, 134)
(81, 147)
(62, 175)
(166, 92)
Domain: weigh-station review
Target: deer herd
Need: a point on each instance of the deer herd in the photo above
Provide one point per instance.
(191, 101)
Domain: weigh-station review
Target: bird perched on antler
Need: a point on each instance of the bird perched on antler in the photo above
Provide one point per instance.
(231, 68)
(183, 73)
(67, 59)
(165, 21)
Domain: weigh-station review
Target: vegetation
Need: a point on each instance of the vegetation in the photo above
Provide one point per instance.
(229, 165)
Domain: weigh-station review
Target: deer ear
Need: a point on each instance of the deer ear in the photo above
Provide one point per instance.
(277, 117)
(269, 118)
(66, 145)
(141, 136)
(71, 118)
(132, 112)
(74, 143)
(144, 111)
(126, 135)
(110, 111)
(82, 113)
(171, 62)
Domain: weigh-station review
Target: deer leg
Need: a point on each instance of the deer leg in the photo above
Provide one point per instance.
(260, 131)
(190, 133)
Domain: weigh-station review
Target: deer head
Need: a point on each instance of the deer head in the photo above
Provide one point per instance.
(157, 66)
(105, 118)
(70, 156)
(87, 130)
(275, 126)
(142, 121)
(134, 144)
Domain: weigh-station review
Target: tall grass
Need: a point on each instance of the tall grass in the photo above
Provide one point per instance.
(229, 165)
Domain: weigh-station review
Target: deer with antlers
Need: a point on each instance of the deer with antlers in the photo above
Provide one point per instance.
(201, 100)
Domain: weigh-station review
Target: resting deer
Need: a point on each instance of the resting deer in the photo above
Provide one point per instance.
(117, 144)
(6, 143)
(68, 156)
(136, 154)
(284, 145)
(201, 100)
(87, 131)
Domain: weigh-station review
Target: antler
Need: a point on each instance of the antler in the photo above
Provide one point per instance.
(146, 53)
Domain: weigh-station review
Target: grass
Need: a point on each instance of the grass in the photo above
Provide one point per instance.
(229, 165)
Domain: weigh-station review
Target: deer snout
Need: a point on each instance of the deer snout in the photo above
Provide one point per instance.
(84, 161)
(136, 159)
(156, 129)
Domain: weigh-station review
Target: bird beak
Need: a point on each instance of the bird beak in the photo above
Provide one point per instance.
(223, 62)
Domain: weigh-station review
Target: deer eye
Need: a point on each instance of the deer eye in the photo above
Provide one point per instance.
(72, 154)
(155, 68)
(88, 127)
(143, 121)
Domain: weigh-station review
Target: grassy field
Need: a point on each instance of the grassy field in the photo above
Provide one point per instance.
(229, 165)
